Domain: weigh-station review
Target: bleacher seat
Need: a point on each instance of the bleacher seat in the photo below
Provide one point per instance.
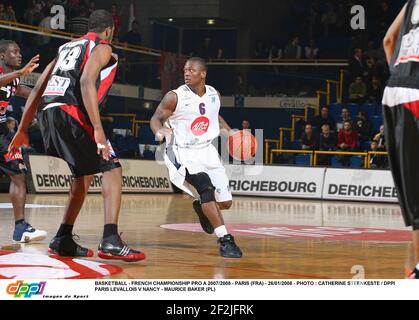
(335, 162)
(353, 109)
(335, 110)
(302, 159)
(356, 162)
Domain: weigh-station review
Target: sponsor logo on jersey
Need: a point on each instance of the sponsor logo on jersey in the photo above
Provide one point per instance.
(200, 126)
(409, 48)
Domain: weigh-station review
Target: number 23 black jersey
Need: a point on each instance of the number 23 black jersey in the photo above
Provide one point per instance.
(64, 84)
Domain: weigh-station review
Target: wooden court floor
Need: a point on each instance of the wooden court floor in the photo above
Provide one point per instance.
(268, 231)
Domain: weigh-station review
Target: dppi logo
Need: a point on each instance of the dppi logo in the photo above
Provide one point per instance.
(27, 290)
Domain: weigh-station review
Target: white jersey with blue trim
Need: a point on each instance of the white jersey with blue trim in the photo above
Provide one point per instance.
(195, 120)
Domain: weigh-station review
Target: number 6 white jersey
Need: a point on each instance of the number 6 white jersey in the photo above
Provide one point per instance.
(195, 120)
(64, 84)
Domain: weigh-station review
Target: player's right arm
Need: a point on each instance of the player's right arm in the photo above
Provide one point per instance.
(31, 107)
(98, 59)
(28, 68)
(390, 39)
(164, 110)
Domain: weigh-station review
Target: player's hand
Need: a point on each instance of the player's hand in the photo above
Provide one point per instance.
(21, 138)
(30, 66)
(164, 133)
(103, 148)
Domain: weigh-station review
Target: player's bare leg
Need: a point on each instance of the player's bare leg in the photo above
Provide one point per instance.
(23, 231)
(112, 247)
(63, 243)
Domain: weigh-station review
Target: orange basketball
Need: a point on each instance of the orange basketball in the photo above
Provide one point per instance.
(242, 145)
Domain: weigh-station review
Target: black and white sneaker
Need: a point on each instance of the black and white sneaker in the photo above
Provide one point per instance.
(113, 248)
(67, 247)
(228, 248)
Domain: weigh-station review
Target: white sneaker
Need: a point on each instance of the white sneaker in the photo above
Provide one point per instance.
(24, 232)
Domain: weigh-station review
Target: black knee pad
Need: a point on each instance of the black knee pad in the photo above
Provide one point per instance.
(203, 186)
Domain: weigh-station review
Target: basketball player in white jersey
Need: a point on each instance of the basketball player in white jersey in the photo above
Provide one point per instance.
(188, 118)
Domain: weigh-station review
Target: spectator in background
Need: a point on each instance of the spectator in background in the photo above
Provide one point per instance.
(347, 142)
(10, 14)
(116, 20)
(357, 91)
(381, 139)
(43, 41)
(328, 19)
(324, 118)
(80, 24)
(2, 12)
(357, 66)
(327, 142)
(308, 139)
(345, 116)
(35, 14)
(375, 91)
(92, 7)
(377, 161)
(245, 124)
(133, 36)
(293, 50)
(363, 126)
(260, 51)
(147, 153)
(205, 51)
(311, 51)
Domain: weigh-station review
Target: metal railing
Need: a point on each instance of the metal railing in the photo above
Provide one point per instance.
(313, 154)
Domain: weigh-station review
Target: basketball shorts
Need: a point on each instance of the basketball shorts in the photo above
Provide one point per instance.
(12, 165)
(68, 134)
(195, 160)
(401, 121)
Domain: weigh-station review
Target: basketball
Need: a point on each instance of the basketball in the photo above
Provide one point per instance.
(242, 145)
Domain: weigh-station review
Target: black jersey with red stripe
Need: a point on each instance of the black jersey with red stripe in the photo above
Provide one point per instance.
(6, 93)
(64, 84)
(404, 66)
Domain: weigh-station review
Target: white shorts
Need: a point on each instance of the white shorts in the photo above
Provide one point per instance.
(204, 160)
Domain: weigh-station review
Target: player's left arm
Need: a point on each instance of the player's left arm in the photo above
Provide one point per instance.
(224, 127)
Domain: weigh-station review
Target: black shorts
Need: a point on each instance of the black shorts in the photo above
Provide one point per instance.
(12, 166)
(401, 123)
(68, 135)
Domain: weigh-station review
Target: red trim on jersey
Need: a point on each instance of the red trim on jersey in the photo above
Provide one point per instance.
(79, 116)
(86, 56)
(413, 107)
(105, 84)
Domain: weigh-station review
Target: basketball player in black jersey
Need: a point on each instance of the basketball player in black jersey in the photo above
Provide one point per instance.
(401, 115)
(10, 73)
(68, 97)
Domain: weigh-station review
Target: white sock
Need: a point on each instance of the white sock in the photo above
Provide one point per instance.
(221, 231)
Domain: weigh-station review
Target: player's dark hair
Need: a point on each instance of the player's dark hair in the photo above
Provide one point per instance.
(200, 61)
(99, 20)
(4, 45)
